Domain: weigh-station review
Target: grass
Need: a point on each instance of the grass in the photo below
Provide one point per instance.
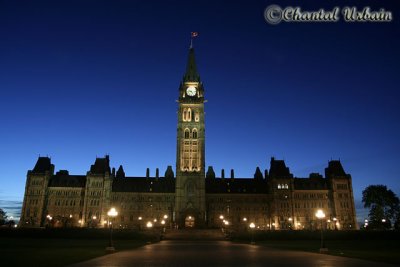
(373, 246)
(45, 250)
(380, 251)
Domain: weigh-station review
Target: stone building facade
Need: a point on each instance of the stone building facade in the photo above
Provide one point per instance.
(273, 199)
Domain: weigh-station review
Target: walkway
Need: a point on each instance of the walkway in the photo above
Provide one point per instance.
(219, 253)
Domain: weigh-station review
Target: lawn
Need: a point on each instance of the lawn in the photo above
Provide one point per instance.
(52, 250)
(381, 251)
(375, 246)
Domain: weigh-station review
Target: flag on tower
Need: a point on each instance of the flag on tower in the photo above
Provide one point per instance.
(194, 34)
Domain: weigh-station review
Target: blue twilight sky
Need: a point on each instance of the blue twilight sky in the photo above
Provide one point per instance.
(80, 79)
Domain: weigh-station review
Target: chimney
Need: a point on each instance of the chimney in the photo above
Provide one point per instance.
(157, 173)
(147, 173)
(222, 173)
(232, 174)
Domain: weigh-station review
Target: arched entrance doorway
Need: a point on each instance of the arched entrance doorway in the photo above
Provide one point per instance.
(189, 221)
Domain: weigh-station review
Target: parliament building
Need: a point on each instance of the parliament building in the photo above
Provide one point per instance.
(191, 196)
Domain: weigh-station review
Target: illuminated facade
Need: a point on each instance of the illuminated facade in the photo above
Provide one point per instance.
(273, 199)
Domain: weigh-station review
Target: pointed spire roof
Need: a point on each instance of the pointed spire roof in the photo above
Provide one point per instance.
(191, 74)
(120, 172)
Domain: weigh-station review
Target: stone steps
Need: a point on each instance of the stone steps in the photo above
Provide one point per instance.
(194, 234)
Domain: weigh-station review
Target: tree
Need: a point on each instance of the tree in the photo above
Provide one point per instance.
(3, 217)
(383, 204)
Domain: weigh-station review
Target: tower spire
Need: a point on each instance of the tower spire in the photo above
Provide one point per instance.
(191, 74)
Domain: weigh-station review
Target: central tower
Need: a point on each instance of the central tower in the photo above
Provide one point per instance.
(190, 156)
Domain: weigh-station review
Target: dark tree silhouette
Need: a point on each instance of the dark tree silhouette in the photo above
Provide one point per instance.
(3, 217)
(383, 204)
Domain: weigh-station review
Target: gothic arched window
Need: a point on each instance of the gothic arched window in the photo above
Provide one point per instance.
(186, 133)
(184, 114)
(189, 115)
(194, 133)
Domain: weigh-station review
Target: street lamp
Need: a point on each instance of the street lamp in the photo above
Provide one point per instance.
(321, 215)
(335, 222)
(149, 224)
(252, 226)
(111, 213)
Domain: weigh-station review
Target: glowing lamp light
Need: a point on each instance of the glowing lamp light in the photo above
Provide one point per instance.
(162, 222)
(320, 214)
(140, 218)
(149, 224)
(221, 217)
(112, 212)
(252, 225)
(245, 219)
(165, 216)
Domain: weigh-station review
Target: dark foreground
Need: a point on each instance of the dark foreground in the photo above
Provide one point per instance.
(218, 253)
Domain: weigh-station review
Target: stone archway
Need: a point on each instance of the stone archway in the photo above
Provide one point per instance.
(190, 221)
(189, 218)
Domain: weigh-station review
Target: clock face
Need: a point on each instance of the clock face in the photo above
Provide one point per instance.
(191, 91)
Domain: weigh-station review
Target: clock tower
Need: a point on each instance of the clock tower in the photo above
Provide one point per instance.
(190, 156)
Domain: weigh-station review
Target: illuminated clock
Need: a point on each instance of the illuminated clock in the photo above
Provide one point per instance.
(191, 91)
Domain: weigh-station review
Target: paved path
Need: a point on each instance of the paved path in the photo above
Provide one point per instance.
(218, 253)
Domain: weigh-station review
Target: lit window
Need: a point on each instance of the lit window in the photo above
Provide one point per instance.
(194, 134)
(184, 114)
(189, 115)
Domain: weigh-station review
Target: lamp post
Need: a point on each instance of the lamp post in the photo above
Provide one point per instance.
(252, 226)
(335, 222)
(111, 213)
(140, 223)
(321, 215)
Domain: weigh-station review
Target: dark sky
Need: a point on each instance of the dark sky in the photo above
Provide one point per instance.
(80, 79)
